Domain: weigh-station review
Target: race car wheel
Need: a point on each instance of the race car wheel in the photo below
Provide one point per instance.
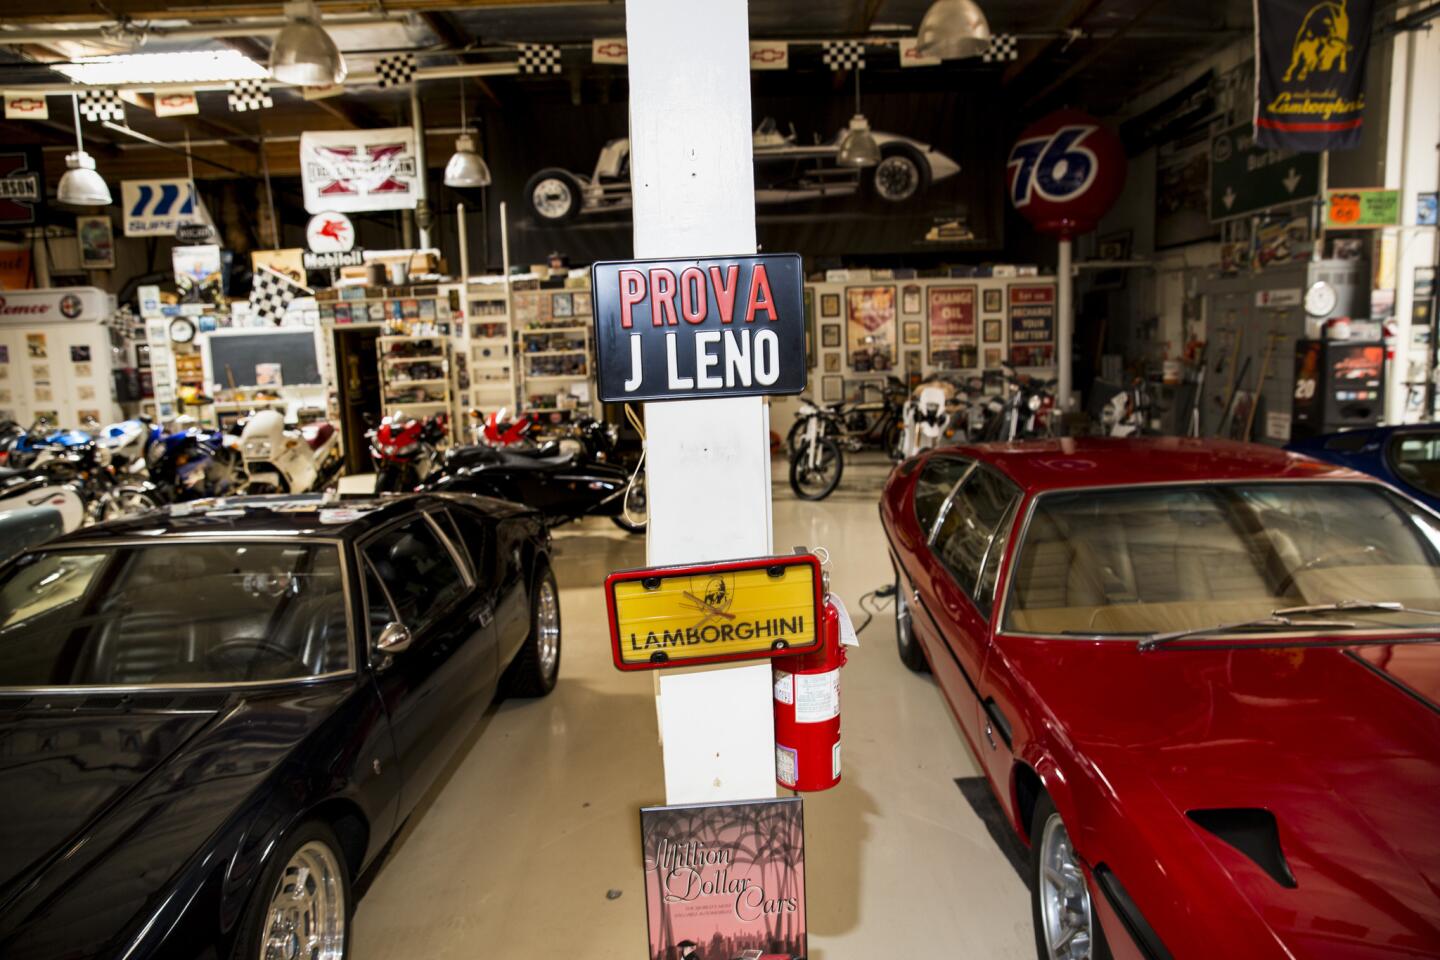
(555, 195)
(536, 667)
(900, 175)
(1066, 927)
(910, 653)
(302, 905)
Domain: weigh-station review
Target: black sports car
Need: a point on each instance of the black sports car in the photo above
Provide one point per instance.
(213, 718)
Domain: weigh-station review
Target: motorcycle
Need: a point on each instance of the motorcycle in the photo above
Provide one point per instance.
(565, 479)
(281, 460)
(1127, 413)
(189, 464)
(860, 424)
(24, 489)
(405, 450)
(925, 417)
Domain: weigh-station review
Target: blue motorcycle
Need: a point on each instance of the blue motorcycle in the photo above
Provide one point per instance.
(189, 464)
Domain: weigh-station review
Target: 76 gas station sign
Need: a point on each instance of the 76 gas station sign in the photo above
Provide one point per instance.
(695, 328)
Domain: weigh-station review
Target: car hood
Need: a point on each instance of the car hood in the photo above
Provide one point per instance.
(104, 800)
(1340, 745)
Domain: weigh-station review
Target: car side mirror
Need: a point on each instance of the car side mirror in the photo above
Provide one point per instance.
(395, 638)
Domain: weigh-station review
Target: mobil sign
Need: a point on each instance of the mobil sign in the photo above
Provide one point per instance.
(156, 208)
(692, 328)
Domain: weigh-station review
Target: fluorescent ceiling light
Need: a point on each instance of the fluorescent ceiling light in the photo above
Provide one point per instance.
(190, 66)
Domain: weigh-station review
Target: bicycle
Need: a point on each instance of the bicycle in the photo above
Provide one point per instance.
(855, 425)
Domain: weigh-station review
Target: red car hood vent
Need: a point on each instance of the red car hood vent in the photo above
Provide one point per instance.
(1254, 833)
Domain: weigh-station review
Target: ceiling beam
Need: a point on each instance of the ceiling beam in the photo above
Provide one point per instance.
(1095, 52)
(869, 10)
(1073, 16)
(106, 11)
(456, 37)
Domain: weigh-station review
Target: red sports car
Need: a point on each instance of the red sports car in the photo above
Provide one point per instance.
(1203, 680)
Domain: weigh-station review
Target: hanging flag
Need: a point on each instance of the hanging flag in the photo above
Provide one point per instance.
(249, 95)
(100, 104)
(396, 71)
(769, 55)
(175, 103)
(1003, 48)
(910, 54)
(538, 58)
(1310, 73)
(20, 105)
(843, 54)
(271, 294)
(609, 50)
(350, 170)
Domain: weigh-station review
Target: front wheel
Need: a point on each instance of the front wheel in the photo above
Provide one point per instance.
(1066, 927)
(536, 667)
(795, 437)
(816, 481)
(555, 195)
(301, 906)
(128, 501)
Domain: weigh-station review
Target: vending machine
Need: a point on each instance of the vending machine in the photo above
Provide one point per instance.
(1339, 385)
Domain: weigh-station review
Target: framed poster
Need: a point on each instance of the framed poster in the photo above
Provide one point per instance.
(992, 357)
(832, 363)
(952, 327)
(910, 299)
(725, 880)
(562, 305)
(1032, 325)
(96, 238)
(992, 330)
(994, 300)
(870, 328)
(830, 335)
(810, 328)
(829, 305)
(832, 389)
(911, 333)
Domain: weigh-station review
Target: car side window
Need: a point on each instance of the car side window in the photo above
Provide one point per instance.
(990, 572)
(378, 612)
(968, 526)
(417, 570)
(1415, 458)
(937, 479)
(475, 539)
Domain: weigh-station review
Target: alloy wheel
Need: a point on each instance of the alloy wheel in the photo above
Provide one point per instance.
(897, 178)
(306, 918)
(1064, 898)
(552, 198)
(547, 627)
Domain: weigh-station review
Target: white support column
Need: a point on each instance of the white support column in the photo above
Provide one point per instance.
(1065, 324)
(707, 461)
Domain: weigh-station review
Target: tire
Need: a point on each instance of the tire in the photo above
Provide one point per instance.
(313, 846)
(893, 440)
(910, 652)
(635, 499)
(901, 175)
(1043, 902)
(794, 437)
(554, 195)
(532, 673)
(128, 501)
(820, 484)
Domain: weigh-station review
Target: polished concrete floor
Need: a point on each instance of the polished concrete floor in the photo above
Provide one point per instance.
(530, 846)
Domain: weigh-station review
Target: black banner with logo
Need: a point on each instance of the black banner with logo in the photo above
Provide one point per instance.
(1310, 73)
(22, 186)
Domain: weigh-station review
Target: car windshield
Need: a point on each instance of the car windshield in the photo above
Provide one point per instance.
(1147, 560)
(173, 613)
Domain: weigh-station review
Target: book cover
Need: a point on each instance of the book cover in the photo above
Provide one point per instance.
(725, 881)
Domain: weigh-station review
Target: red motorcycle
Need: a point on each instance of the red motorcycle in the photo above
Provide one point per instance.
(405, 451)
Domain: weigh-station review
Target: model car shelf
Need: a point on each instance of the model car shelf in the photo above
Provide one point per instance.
(554, 355)
(489, 368)
(401, 389)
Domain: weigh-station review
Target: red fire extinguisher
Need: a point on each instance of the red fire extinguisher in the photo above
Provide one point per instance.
(807, 710)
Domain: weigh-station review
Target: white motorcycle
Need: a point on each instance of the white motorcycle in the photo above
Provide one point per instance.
(281, 460)
(925, 418)
(20, 490)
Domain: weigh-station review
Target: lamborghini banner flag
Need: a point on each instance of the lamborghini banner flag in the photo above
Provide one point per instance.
(1310, 73)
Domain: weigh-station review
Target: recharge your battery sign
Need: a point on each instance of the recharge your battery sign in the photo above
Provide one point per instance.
(707, 327)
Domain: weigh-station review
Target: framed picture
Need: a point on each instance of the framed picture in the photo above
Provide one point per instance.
(830, 333)
(870, 328)
(562, 305)
(97, 243)
(992, 331)
(832, 389)
(910, 299)
(912, 332)
(994, 300)
(829, 305)
(809, 328)
(992, 357)
(952, 326)
(832, 363)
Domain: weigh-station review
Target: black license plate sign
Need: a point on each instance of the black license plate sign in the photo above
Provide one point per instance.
(696, 328)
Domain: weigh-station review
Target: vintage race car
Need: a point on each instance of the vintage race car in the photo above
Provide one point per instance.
(786, 171)
(1202, 679)
(214, 718)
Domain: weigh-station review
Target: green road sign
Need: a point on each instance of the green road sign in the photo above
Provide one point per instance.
(1245, 179)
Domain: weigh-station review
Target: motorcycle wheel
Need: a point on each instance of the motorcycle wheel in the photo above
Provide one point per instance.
(894, 440)
(127, 502)
(637, 506)
(818, 482)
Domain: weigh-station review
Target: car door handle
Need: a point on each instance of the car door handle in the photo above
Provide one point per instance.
(996, 722)
(483, 616)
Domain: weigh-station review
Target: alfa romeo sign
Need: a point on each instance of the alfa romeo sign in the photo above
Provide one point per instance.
(709, 327)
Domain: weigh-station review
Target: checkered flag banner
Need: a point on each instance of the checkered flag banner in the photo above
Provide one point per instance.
(396, 71)
(98, 105)
(538, 58)
(249, 95)
(271, 294)
(843, 54)
(1003, 48)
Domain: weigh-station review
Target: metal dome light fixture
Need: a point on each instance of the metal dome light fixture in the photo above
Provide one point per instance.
(858, 147)
(303, 52)
(466, 167)
(81, 185)
(953, 30)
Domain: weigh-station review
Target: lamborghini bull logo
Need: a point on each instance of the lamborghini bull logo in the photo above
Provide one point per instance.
(1322, 43)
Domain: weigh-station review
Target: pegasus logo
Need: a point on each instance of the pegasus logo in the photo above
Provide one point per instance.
(1322, 42)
